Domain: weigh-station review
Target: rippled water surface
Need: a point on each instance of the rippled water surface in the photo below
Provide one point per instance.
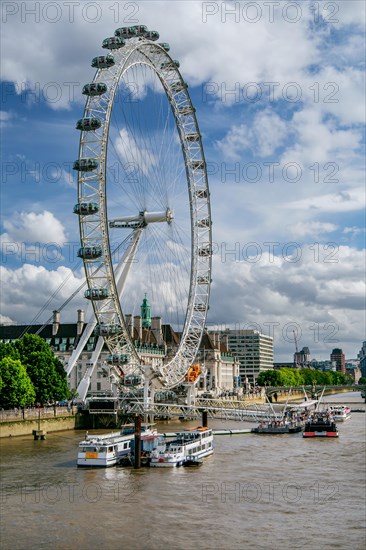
(256, 491)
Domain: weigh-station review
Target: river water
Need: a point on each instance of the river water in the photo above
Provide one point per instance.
(255, 492)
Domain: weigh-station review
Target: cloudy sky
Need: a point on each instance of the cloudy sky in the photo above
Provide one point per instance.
(278, 89)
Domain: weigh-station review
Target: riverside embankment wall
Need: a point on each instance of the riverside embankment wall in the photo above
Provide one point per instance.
(14, 428)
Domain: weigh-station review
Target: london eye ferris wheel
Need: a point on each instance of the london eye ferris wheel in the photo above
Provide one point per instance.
(143, 200)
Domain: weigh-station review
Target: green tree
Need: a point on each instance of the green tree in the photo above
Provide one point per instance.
(44, 368)
(268, 377)
(362, 380)
(17, 388)
(8, 350)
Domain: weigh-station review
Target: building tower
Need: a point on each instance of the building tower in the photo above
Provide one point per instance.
(146, 313)
(254, 351)
(338, 357)
(362, 357)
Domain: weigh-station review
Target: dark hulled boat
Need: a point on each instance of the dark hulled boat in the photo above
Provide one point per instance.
(320, 424)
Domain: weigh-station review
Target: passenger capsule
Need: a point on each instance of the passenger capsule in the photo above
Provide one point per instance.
(107, 330)
(174, 64)
(102, 61)
(201, 193)
(85, 165)
(140, 30)
(200, 307)
(88, 124)
(193, 137)
(117, 358)
(113, 43)
(86, 208)
(204, 223)
(204, 251)
(203, 280)
(178, 86)
(132, 380)
(152, 35)
(197, 164)
(164, 45)
(94, 89)
(186, 110)
(96, 293)
(125, 32)
(90, 252)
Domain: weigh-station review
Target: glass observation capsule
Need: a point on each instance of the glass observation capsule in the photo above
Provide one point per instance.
(132, 380)
(102, 61)
(178, 86)
(200, 307)
(113, 43)
(94, 89)
(197, 164)
(141, 30)
(86, 208)
(204, 251)
(165, 46)
(125, 32)
(88, 124)
(186, 110)
(85, 165)
(202, 280)
(117, 358)
(201, 193)
(90, 252)
(174, 64)
(205, 222)
(192, 137)
(96, 293)
(107, 330)
(152, 35)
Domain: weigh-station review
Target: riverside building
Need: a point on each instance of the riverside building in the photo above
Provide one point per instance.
(338, 357)
(154, 341)
(253, 350)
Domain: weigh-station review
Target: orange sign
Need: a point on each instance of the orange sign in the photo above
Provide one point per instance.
(91, 455)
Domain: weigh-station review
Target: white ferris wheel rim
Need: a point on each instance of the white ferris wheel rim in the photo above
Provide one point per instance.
(94, 229)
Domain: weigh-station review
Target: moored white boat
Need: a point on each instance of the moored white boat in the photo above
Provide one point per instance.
(108, 449)
(339, 413)
(193, 443)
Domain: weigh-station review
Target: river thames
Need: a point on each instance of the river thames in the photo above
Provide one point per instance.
(255, 492)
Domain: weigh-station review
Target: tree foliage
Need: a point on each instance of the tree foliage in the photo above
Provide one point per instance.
(16, 386)
(301, 377)
(8, 350)
(44, 368)
(30, 372)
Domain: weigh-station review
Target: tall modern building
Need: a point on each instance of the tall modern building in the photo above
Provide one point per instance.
(254, 351)
(362, 357)
(337, 355)
(301, 358)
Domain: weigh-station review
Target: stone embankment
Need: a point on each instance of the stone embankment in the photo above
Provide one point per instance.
(24, 422)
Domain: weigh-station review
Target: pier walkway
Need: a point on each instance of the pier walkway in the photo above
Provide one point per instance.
(215, 408)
